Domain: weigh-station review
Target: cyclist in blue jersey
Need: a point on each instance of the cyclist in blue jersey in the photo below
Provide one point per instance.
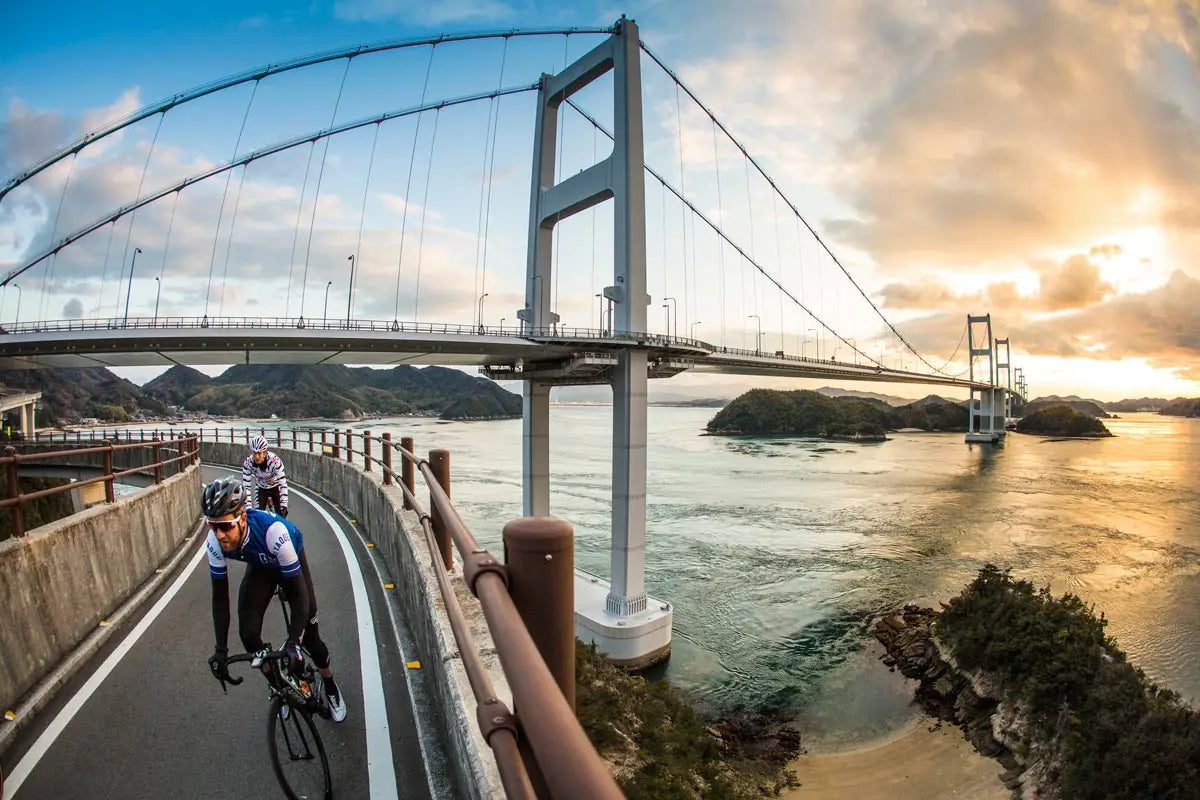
(273, 550)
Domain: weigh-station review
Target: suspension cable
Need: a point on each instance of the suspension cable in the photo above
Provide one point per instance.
(232, 226)
(412, 157)
(437, 115)
(54, 232)
(287, 308)
(221, 210)
(312, 223)
(555, 277)
(683, 234)
(162, 270)
(104, 272)
(720, 249)
(362, 214)
(491, 177)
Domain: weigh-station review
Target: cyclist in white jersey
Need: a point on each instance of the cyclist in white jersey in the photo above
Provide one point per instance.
(263, 478)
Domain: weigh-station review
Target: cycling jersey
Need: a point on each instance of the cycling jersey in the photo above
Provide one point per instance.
(267, 476)
(271, 542)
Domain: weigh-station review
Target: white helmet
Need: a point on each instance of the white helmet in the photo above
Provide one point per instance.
(259, 444)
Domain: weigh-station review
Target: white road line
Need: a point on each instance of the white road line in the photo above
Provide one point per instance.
(381, 769)
(28, 761)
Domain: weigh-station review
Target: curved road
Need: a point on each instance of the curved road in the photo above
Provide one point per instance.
(144, 719)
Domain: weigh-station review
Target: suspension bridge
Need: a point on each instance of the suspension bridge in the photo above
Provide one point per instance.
(414, 217)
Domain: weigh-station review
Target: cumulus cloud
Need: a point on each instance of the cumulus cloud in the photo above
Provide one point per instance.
(424, 12)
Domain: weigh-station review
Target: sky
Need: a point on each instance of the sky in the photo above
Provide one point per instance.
(1031, 161)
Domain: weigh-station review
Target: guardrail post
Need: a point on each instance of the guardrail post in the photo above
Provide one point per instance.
(310, 440)
(349, 446)
(406, 469)
(157, 461)
(110, 492)
(279, 437)
(540, 555)
(337, 443)
(295, 439)
(14, 490)
(366, 451)
(387, 459)
(439, 462)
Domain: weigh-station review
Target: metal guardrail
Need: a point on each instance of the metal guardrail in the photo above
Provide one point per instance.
(188, 448)
(540, 749)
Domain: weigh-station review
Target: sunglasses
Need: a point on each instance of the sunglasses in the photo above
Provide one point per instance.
(223, 527)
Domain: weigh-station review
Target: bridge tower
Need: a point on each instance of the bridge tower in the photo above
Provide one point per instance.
(985, 414)
(1005, 381)
(631, 628)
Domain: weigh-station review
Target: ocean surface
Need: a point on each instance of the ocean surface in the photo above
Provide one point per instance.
(777, 553)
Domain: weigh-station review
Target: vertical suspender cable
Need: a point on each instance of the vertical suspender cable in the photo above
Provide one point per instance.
(721, 224)
(362, 214)
(491, 177)
(437, 115)
(682, 212)
(162, 270)
(287, 306)
(221, 210)
(753, 253)
(54, 233)
(408, 188)
(779, 261)
(232, 225)
(592, 283)
(133, 216)
(555, 278)
(317, 194)
(104, 272)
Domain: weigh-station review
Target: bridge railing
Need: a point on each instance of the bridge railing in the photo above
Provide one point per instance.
(186, 446)
(540, 750)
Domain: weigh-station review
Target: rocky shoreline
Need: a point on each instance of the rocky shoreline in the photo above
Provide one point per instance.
(944, 692)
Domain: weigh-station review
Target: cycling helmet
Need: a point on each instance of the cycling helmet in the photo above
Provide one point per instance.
(259, 444)
(223, 497)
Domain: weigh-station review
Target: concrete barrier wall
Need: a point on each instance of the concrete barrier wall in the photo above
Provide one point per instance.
(400, 543)
(60, 580)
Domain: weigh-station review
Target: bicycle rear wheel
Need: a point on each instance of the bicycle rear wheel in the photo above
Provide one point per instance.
(298, 754)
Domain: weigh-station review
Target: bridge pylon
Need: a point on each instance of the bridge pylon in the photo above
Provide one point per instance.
(986, 411)
(627, 625)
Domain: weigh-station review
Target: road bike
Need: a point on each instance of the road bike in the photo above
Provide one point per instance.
(297, 752)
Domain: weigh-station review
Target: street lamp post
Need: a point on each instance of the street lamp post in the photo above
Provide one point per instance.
(758, 336)
(816, 340)
(600, 297)
(350, 294)
(157, 296)
(502, 324)
(674, 303)
(20, 294)
(479, 310)
(693, 330)
(129, 289)
(325, 311)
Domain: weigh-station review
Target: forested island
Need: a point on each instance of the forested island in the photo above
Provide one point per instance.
(769, 412)
(1034, 682)
(1061, 420)
(289, 391)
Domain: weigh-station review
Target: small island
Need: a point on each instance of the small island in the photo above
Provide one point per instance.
(1062, 421)
(769, 412)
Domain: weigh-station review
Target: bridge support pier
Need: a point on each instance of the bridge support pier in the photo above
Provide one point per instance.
(535, 449)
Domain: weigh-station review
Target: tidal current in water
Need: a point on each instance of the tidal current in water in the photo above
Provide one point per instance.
(777, 553)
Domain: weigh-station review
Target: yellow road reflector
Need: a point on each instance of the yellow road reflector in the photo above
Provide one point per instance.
(389, 586)
(353, 522)
(10, 715)
(104, 623)
(370, 544)
(413, 665)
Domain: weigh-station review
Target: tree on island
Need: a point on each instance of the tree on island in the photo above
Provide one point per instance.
(1061, 420)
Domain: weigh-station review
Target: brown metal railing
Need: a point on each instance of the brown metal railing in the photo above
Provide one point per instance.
(188, 448)
(540, 749)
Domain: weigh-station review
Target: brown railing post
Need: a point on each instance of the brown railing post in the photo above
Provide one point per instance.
(540, 555)
(14, 490)
(157, 462)
(366, 451)
(337, 443)
(406, 469)
(231, 434)
(279, 437)
(349, 446)
(310, 440)
(295, 439)
(439, 462)
(110, 492)
(387, 459)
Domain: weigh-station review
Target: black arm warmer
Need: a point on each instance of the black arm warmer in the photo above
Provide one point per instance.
(297, 597)
(220, 612)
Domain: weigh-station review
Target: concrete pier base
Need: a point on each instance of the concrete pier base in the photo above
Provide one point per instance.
(636, 641)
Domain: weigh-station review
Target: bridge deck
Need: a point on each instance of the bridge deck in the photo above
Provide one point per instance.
(157, 725)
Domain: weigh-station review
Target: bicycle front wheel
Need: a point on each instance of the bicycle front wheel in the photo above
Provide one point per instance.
(298, 754)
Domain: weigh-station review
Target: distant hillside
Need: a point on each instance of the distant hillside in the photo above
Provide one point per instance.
(1060, 419)
(891, 400)
(71, 394)
(1138, 404)
(333, 391)
(1183, 407)
(767, 412)
(1089, 407)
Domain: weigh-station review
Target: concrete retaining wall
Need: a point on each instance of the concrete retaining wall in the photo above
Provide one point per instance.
(60, 580)
(400, 543)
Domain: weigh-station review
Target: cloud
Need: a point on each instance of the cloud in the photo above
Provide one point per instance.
(423, 12)
(1073, 284)
(73, 309)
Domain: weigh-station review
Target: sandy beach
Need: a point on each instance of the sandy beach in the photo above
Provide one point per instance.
(915, 764)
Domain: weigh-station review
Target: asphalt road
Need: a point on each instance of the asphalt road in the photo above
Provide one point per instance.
(144, 719)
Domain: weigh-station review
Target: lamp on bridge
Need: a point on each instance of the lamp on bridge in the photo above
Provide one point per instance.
(20, 294)
(816, 340)
(502, 323)
(675, 303)
(479, 310)
(693, 330)
(325, 312)
(758, 336)
(350, 294)
(157, 295)
(853, 346)
(129, 289)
